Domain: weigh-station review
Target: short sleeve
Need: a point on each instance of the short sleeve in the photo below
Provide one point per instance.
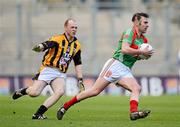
(127, 36)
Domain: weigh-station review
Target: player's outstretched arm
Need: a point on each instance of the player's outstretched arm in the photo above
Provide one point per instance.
(45, 45)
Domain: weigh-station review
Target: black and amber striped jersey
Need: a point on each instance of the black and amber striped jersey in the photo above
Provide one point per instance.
(60, 52)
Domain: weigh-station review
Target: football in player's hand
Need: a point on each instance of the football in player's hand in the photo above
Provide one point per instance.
(142, 47)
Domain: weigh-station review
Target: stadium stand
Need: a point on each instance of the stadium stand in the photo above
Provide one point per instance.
(28, 22)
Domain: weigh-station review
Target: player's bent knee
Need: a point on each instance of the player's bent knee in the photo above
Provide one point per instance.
(137, 88)
(59, 93)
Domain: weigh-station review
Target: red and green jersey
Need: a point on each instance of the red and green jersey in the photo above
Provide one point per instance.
(130, 36)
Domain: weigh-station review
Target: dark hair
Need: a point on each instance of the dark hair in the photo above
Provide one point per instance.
(139, 15)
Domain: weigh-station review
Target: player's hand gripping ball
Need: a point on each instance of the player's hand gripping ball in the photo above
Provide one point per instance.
(142, 47)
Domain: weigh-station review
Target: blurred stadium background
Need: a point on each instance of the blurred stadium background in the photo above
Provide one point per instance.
(24, 23)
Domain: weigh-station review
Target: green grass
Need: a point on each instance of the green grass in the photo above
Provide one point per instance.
(101, 111)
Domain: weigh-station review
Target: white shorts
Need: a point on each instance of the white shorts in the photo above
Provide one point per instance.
(48, 74)
(114, 70)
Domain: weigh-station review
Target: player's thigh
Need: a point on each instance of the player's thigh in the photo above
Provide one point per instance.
(129, 83)
(58, 85)
(100, 84)
(37, 87)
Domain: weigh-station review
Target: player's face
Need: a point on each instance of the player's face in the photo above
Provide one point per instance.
(71, 28)
(143, 25)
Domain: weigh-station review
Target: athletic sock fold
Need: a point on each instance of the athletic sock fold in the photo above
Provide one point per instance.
(23, 91)
(133, 106)
(42, 109)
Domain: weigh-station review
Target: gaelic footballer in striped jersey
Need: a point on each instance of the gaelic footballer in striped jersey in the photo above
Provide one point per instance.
(59, 50)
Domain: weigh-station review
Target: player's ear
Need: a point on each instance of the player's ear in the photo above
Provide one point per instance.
(136, 22)
(65, 28)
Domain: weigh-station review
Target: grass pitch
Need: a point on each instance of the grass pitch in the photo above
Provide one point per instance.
(101, 111)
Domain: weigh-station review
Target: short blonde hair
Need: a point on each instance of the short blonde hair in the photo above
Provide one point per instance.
(67, 21)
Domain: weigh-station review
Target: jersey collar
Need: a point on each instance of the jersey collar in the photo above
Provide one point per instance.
(68, 40)
(135, 31)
